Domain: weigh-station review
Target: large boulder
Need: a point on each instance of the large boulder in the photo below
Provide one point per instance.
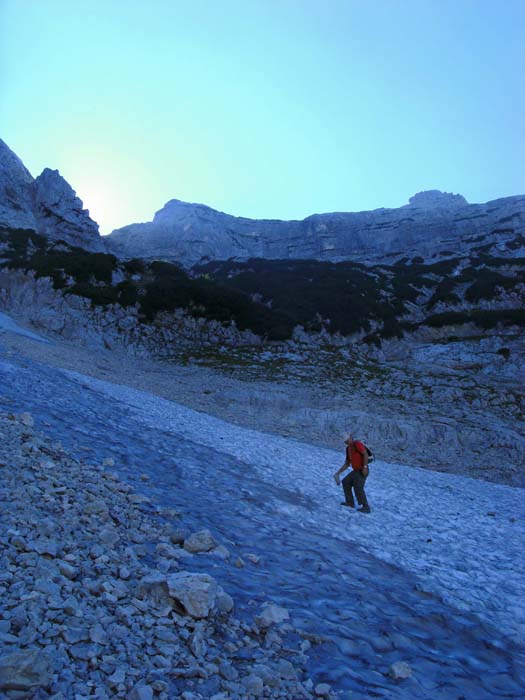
(201, 541)
(196, 595)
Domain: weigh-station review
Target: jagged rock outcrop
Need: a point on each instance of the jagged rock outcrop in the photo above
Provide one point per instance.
(47, 204)
(16, 191)
(431, 199)
(60, 213)
(433, 222)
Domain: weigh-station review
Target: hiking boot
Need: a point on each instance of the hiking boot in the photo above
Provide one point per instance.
(364, 509)
(348, 505)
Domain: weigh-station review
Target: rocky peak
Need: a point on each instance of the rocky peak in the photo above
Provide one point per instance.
(430, 199)
(178, 210)
(60, 213)
(16, 195)
(47, 204)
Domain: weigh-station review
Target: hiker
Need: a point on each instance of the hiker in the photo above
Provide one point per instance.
(357, 458)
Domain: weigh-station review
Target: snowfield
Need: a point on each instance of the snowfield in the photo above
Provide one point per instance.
(462, 538)
(433, 577)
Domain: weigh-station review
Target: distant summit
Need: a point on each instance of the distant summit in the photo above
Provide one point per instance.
(47, 204)
(435, 198)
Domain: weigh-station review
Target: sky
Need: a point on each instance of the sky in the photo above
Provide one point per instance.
(265, 108)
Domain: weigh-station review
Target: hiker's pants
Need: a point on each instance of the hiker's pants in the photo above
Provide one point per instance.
(356, 481)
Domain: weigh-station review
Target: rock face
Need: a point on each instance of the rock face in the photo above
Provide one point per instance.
(47, 205)
(73, 318)
(60, 214)
(433, 222)
(16, 191)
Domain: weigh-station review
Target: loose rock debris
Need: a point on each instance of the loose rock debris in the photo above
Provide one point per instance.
(95, 602)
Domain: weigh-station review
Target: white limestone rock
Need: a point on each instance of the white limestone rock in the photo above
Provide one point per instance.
(197, 593)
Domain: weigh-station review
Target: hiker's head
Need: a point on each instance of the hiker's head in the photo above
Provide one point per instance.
(349, 438)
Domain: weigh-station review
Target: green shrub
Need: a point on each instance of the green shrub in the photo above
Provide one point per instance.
(483, 318)
(135, 266)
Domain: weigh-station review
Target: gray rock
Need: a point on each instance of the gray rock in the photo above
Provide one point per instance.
(253, 685)
(27, 419)
(118, 677)
(197, 593)
(98, 634)
(70, 606)
(140, 692)
(25, 670)
(225, 602)
(177, 536)
(201, 541)
(272, 615)
(47, 587)
(286, 670)
(400, 671)
(228, 671)
(70, 572)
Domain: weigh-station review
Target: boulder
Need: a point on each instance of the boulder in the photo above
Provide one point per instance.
(400, 671)
(273, 615)
(196, 593)
(201, 541)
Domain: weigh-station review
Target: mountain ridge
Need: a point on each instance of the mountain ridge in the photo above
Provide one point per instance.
(430, 225)
(193, 233)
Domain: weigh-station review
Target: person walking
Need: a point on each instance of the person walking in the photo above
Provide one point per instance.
(357, 458)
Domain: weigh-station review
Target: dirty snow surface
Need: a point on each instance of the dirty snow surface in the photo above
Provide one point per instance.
(432, 577)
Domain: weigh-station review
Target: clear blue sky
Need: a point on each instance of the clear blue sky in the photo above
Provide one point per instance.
(274, 108)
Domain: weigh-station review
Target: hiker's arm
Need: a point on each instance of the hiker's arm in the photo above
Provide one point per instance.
(340, 471)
